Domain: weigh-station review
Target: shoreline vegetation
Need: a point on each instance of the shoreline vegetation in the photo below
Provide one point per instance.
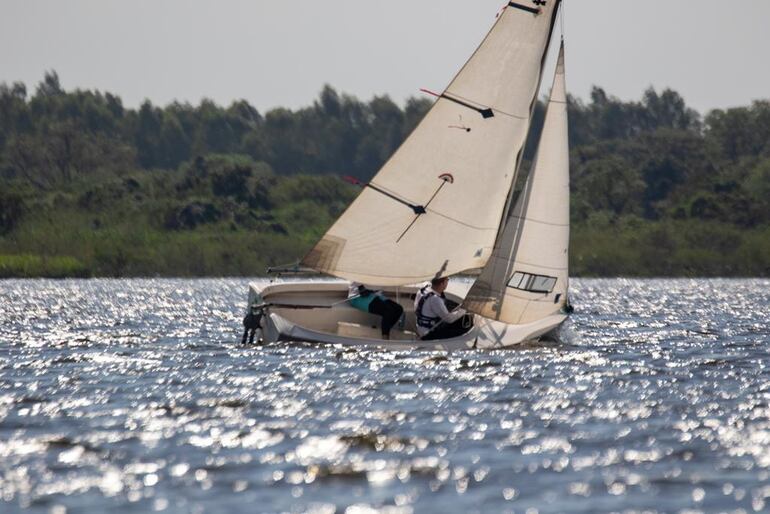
(90, 188)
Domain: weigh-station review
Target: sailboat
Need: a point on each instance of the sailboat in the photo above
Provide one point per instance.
(443, 204)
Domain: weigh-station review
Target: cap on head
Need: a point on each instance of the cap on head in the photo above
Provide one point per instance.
(438, 281)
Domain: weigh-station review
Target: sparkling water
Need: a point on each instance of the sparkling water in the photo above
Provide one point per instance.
(135, 396)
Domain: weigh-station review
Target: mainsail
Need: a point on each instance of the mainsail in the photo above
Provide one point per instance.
(436, 206)
(526, 279)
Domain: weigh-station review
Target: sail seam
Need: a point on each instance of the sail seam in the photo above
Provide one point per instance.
(460, 222)
(515, 116)
(525, 218)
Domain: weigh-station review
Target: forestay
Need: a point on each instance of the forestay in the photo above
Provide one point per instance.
(436, 205)
(526, 279)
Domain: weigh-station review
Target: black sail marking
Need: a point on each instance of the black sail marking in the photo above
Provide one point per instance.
(533, 10)
(485, 112)
(417, 209)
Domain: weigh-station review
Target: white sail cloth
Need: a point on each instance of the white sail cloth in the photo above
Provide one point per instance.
(527, 277)
(458, 166)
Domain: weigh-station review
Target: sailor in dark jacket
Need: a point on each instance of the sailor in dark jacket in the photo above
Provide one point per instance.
(375, 302)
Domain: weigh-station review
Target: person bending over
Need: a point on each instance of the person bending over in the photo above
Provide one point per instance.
(375, 302)
(434, 319)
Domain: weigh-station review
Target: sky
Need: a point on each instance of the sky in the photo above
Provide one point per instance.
(279, 53)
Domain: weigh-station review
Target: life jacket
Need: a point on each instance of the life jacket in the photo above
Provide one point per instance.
(425, 321)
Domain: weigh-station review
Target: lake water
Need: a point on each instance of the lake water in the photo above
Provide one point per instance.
(135, 396)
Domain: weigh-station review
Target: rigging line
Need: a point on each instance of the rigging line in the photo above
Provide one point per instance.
(407, 229)
(443, 183)
(534, 220)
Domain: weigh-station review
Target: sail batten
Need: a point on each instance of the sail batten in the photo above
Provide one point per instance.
(527, 276)
(380, 242)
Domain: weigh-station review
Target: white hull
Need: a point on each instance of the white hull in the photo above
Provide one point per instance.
(343, 325)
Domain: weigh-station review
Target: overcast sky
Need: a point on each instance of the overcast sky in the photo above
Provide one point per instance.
(281, 53)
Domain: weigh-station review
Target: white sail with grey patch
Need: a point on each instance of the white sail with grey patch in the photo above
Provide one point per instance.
(436, 206)
(527, 277)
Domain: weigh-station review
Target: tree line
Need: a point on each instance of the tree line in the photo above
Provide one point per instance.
(91, 187)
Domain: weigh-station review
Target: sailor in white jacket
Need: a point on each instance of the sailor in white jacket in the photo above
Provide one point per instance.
(434, 319)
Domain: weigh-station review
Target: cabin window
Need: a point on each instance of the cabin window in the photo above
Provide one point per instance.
(532, 283)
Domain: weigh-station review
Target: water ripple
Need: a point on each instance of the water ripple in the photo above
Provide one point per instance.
(134, 395)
